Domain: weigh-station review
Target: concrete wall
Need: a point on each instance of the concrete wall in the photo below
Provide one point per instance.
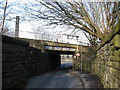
(21, 62)
(107, 62)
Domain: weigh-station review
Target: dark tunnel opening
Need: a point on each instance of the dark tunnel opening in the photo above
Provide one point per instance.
(60, 60)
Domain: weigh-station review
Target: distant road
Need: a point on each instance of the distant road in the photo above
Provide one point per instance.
(66, 65)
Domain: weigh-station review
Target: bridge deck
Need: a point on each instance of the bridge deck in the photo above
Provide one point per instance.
(49, 45)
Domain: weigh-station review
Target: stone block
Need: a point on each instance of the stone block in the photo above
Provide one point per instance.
(116, 64)
(117, 41)
(7, 80)
(114, 82)
(114, 72)
(112, 58)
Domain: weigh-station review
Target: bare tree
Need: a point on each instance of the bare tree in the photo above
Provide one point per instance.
(8, 31)
(4, 14)
(7, 13)
(95, 18)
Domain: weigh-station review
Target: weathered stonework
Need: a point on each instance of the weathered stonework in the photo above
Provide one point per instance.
(107, 62)
(21, 62)
(13, 60)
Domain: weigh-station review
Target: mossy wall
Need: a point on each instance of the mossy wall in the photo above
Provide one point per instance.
(107, 62)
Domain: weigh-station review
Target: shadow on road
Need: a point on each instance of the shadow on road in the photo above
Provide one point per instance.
(64, 77)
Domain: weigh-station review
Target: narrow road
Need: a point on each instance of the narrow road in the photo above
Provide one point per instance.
(60, 78)
(57, 79)
(64, 78)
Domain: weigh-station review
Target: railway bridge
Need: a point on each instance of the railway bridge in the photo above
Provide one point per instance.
(23, 59)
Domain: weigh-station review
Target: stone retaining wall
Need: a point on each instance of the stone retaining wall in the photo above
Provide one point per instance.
(36, 62)
(13, 61)
(21, 62)
(107, 62)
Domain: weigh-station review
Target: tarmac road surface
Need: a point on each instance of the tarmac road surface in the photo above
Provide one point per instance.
(57, 79)
(64, 77)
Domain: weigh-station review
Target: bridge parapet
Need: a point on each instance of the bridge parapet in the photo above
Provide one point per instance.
(49, 45)
(64, 46)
